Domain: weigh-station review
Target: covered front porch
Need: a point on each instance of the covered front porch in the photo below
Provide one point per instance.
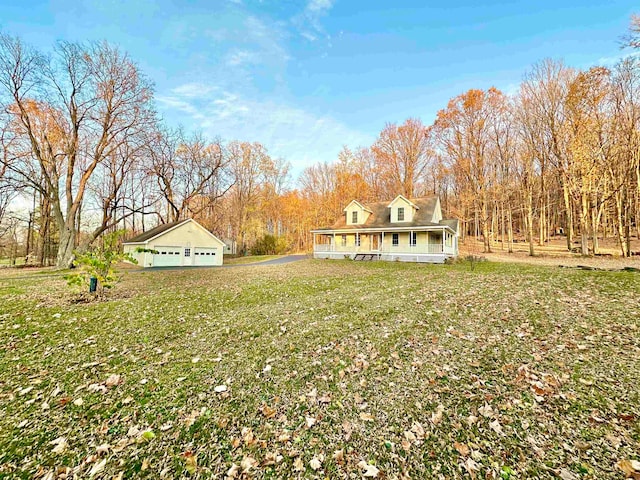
(419, 245)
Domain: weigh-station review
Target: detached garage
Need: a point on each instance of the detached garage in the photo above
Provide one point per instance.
(176, 244)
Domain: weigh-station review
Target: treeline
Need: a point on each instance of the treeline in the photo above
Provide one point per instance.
(559, 156)
(80, 138)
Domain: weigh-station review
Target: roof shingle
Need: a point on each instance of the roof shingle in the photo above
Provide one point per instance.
(143, 237)
(381, 216)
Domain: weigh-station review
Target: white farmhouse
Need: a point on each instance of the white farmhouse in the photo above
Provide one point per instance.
(406, 230)
(182, 243)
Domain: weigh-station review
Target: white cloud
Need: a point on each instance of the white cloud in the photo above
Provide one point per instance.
(612, 60)
(319, 5)
(308, 21)
(299, 136)
(241, 57)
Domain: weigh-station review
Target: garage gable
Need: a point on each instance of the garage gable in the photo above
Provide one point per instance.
(187, 233)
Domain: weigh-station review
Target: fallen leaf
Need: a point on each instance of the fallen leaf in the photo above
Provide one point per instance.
(471, 467)
(462, 449)
(146, 436)
(191, 463)
(220, 389)
(567, 475)
(436, 417)
(247, 464)
(315, 463)
(496, 427)
(267, 411)
(630, 468)
(97, 468)
(233, 471)
(61, 445)
(298, 465)
(103, 449)
(113, 380)
(369, 470)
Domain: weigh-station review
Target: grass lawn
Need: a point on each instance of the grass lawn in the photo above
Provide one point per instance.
(325, 369)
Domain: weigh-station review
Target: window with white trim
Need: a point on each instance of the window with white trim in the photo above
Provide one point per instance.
(400, 214)
(354, 216)
(395, 240)
(344, 240)
(187, 252)
(413, 239)
(357, 239)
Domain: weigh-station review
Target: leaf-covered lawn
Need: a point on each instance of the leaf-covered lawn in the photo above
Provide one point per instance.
(327, 369)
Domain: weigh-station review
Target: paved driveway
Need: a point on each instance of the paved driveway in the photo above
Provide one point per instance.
(275, 261)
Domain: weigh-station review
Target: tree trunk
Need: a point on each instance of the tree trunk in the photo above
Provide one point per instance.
(620, 222)
(584, 225)
(530, 222)
(542, 223)
(510, 227)
(569, 210)
(66, 247)
(485, 227)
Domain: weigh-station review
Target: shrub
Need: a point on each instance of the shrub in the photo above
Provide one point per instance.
(99, 263)
(269, 245)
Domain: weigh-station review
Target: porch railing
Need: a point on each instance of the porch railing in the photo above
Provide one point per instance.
(434, 248)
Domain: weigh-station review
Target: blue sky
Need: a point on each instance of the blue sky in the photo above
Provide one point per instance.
(307, 77)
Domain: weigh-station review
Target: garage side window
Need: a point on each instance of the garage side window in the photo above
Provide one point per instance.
(187, 252)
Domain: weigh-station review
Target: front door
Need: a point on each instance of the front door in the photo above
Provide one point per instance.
(375, 242)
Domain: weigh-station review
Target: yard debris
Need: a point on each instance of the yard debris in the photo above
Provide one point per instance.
(60, 445)
(630, 468)
(316, 462)
(368, 470)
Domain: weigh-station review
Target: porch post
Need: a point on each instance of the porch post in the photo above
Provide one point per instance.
(333, 245)
(443, 234)
(314, 242)
(382, 243)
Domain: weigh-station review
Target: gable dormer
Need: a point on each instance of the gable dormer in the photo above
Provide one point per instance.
(402, 210)
(357, 214)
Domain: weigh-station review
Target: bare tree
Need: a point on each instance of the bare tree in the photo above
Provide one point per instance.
(189, 172)
(74, 110)
(632, 38)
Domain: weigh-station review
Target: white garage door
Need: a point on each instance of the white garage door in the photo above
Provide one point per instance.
(205, 256)
(167, 257)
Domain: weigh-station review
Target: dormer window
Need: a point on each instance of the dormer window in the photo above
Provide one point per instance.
(356, 213)
(402, 210)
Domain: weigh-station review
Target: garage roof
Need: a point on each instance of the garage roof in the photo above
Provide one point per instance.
(154, 232)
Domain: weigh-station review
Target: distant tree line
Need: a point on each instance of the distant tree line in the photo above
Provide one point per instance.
(80, 138)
